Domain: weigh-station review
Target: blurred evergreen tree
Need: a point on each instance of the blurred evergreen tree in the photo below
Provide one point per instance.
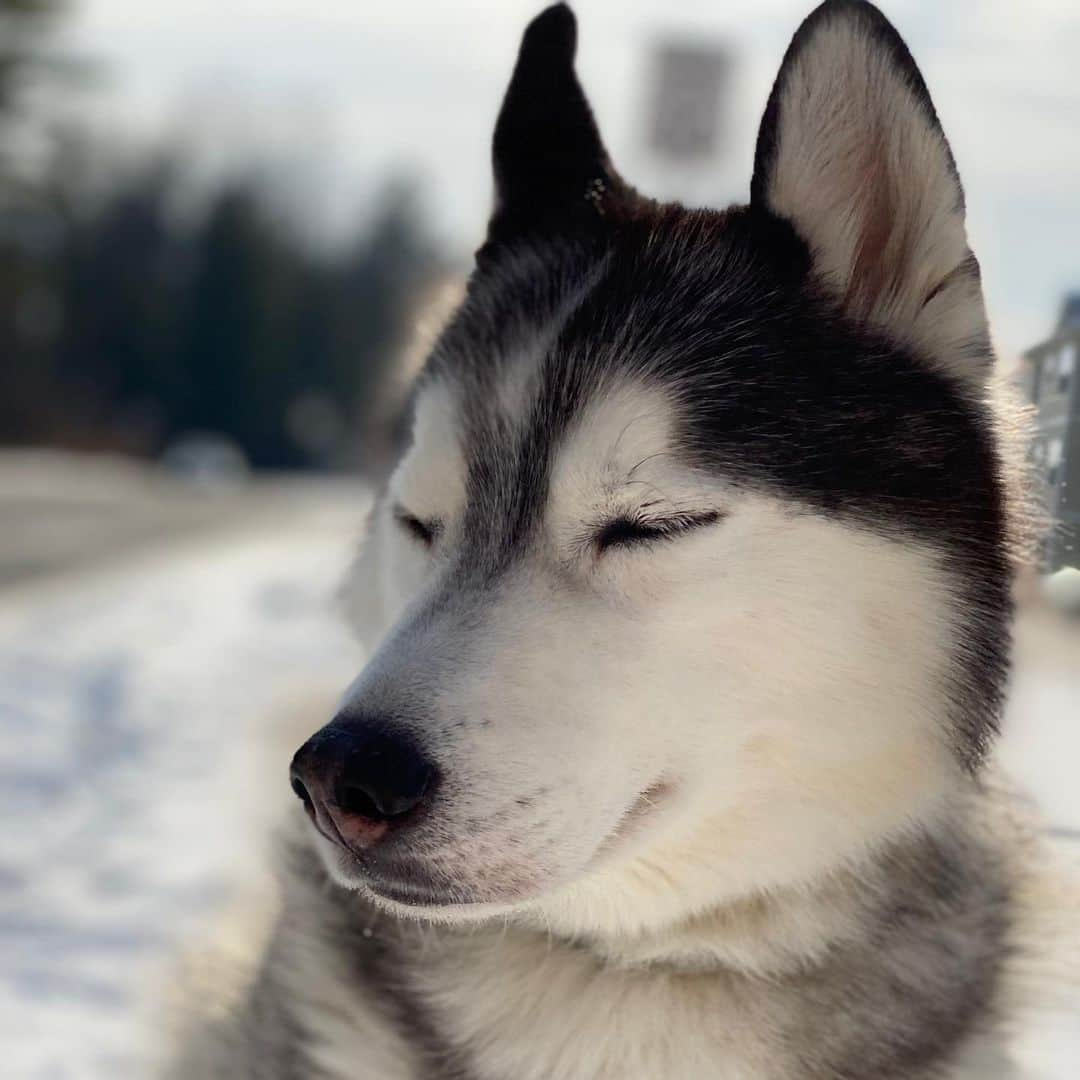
(379, 285)
(29, 229)
(119, 282)
(234, 355)
(268, 326)
(124, 326)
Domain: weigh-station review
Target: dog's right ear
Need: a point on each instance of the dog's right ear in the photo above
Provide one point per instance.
(551, 168)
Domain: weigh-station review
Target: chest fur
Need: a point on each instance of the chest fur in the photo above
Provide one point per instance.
(519, 1007)
(523, 1009)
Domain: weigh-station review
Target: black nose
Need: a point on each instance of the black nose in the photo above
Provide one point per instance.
(358, 776)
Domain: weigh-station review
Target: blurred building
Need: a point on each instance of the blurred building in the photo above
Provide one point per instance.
(1049, 378)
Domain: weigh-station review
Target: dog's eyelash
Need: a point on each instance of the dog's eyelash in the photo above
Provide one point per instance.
(426, 532)
(629, 531)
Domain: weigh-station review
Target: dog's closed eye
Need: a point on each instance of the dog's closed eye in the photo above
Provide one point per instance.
(631, 530)
(424, 532)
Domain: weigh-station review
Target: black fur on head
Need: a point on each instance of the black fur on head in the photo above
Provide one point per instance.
(778, 384)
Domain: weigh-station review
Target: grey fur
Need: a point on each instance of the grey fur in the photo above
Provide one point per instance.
(893, 1000)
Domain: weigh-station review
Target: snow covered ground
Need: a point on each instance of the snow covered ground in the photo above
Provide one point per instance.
(131, 697)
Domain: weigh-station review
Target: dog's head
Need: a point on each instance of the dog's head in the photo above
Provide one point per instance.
(693, 581)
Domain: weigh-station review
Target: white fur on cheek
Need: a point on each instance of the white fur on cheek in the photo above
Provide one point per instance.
(781, 672)
(798, 678)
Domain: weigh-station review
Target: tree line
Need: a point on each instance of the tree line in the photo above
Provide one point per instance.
(126, 324)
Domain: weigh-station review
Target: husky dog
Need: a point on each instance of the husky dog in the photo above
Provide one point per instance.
(689, 607)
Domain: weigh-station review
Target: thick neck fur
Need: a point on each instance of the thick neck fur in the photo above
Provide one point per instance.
(881, 969)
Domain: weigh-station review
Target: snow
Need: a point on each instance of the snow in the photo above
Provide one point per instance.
(130, 700)
(133, 777)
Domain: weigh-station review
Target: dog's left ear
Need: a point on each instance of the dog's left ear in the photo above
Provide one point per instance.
(551, 168)
(852, 154)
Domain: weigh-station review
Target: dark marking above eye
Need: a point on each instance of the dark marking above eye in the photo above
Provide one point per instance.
(629, 530)
(426, 532)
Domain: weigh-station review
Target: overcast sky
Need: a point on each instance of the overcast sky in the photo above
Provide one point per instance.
(336, 93)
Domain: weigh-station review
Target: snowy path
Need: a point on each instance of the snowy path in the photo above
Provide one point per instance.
(129, 704)
(128, 701)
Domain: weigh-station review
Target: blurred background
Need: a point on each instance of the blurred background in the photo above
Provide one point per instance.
(226, 229)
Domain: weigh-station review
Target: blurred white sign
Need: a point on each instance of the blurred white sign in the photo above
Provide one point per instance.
(690, 82)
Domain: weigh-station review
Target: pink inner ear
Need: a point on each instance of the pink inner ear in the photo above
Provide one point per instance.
(875, 268)
(851, 153)
(888, 234)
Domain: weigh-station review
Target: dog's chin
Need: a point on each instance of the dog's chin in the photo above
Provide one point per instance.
(409, 888)
(415, 895)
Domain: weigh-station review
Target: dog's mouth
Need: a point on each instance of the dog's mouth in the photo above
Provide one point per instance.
(633, 824)
(403, 879)
(413, 885)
